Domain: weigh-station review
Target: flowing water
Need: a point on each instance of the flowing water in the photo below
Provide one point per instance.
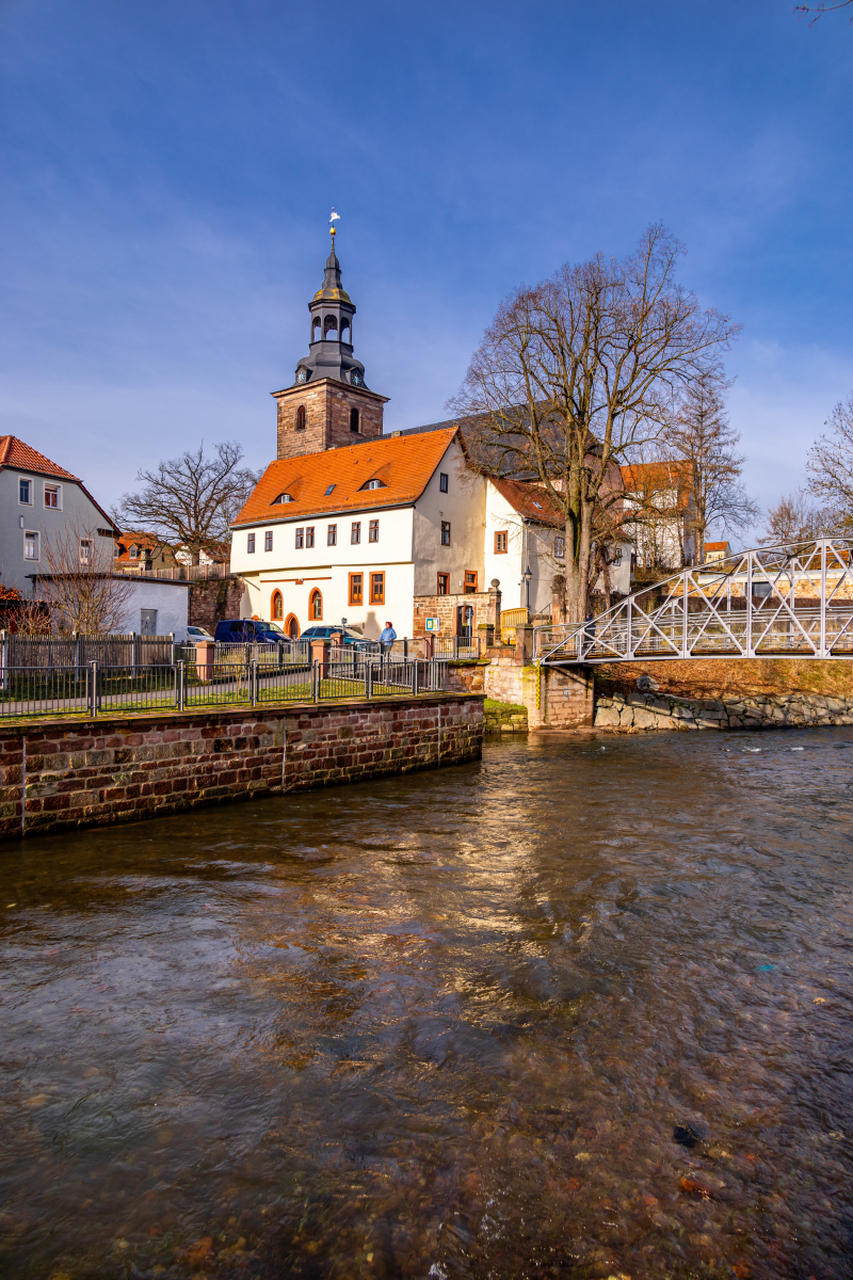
(580, 1010)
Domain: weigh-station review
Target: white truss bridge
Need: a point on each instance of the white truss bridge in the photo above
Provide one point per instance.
(793, 601)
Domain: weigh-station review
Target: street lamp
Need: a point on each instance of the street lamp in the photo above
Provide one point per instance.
(525, 578)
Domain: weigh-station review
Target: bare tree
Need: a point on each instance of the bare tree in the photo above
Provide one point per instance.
(700, 433)
(190, 502)
(794, 519)
(818, 10)
(81, 590)
(575, 372)
(830, 468)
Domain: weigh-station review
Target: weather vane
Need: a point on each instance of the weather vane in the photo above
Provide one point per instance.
(332, 229)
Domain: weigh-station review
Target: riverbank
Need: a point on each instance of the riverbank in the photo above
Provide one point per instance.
(744, 694)
(638, 712)
(56, 774)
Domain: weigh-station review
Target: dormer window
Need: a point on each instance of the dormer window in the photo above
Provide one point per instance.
(374, 484)
(134, 552)
(283, 497)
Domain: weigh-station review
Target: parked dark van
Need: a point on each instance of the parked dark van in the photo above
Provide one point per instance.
(249, 631)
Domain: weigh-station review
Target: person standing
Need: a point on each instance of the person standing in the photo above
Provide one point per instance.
(386, 641)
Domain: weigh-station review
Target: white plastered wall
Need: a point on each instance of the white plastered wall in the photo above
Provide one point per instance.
(527, 544)
(298, 572)
(169, 599)
(464, 507)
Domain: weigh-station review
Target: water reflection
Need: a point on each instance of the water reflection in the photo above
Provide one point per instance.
(444, 1025)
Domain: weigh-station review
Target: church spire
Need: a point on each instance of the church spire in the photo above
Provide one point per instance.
(330, 348)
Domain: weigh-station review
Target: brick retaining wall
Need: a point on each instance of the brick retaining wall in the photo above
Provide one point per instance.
(59, 774)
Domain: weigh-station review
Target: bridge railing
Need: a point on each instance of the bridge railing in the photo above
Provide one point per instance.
(795, 601)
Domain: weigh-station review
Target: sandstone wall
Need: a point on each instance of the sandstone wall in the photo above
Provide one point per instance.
(59, 774)
(638, 712)
(213, 600)
(327, 405)
(564, 699)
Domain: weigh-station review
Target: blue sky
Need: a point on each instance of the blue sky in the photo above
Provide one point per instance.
(169, 167)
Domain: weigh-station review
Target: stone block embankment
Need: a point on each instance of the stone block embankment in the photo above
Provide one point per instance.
(501, 718)
(639, 712)
(60, 774)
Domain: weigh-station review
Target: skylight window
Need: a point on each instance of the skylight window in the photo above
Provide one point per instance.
(328, 491)
(538, 505)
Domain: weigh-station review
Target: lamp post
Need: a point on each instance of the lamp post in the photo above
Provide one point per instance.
(525, 578)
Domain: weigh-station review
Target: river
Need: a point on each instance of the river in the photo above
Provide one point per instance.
(579, 1010)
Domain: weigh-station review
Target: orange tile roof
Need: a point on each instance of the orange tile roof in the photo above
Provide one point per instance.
(146, 541)
(716, 546)
(405, 465)
(529, 500)
(652, 477)
(15, 453)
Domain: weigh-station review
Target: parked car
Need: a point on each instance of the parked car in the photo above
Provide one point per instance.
(349, 637)
(249, 631)
(194, 634)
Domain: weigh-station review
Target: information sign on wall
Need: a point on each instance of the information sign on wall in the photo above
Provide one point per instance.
(432, 624)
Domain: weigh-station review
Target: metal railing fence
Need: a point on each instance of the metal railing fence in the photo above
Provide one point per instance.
(448, 648)
(93, 689)
(77, 650)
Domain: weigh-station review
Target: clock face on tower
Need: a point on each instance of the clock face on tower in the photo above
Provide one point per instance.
(301, 375)
(356, 378)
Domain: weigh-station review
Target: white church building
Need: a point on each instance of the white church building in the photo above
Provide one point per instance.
(348, 522)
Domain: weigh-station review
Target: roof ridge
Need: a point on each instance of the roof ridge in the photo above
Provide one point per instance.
(333, 479)
(15, 452)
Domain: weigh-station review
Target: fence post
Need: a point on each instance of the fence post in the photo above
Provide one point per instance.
(76, 648)
(93, 690)
(172, 638)
(415, 689)
(3, 659)
(405, 648)
(316, 676)
(253, 682)
(368, 678)
(180, 684)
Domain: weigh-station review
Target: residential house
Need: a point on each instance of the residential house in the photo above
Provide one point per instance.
(657, 513)
(142, 553)
(714, 551)
(50, 520)
(53, 526)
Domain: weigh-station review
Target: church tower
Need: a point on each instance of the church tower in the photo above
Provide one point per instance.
(328, 406)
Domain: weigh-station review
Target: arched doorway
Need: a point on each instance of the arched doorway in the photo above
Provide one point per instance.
(315, 606)
(277, 607)
(291, 626)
